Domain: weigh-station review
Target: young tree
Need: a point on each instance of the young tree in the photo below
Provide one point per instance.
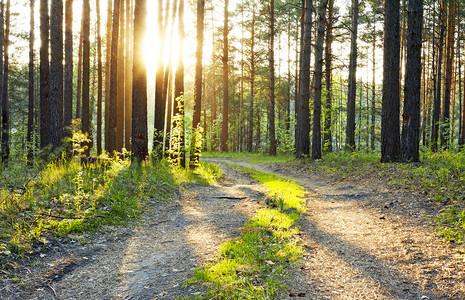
(350, 129)
(412, 88)
(5, 95)
(316, 137)
(198, 80)
(224, 131)
(139, 89)
(56, 71)
(390, 131)
(302, 139)
(44, 73)
(30, 114)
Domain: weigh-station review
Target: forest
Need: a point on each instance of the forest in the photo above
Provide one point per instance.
(260, 149)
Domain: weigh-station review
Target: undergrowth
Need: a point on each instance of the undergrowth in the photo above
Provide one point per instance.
(254, 265)
(67, 197)
(252, 156)
(441, 176)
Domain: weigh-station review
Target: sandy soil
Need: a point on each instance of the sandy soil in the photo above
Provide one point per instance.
(363, 241)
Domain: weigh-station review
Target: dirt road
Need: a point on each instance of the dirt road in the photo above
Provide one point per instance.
(363, 242)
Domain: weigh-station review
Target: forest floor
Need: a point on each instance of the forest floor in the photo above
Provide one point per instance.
(363, 241)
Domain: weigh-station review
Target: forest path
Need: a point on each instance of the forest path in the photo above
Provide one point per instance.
(365, 241)
(149, 260)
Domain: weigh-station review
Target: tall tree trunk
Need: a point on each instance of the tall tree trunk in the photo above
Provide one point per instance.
(79, 74)
(271, 108)
(44, 72)
(100, 81)
(30, 111)
(316, 137)
(107, 74)
(160, 102)
(373, 92)
(112, 137)
(252, 84)
(303, 105)
(390, 131)
(438, 84)
(178, 109)
(198, 81)
(56, 71)
(445, 129)
(350, 129)
(121, 81)
(5, 95)
(224, 130)
(139, 88)
(86, 75)
(412, 88)
(128, 79)
(68, 95)
(327, 136)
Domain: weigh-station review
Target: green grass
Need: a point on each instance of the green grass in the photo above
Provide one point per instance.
(255, 265)
(253, 157)
(441, 176)
(67, 197)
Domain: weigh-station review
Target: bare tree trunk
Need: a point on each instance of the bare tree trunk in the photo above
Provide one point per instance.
(128, 80)
(316, 137)
(412, 88)
(30, 114)
(328, 136)
(44, 72)
(56, 71)
(112, 137)
(252, 84)
(68, 95)
(139, 88)
(390, 131)
(350, 129)
(86, 75)
(303, 105)
(271, 107)
(198, 81)
(79, 75)
(107, 75)
(224, 131)
(121, 82)
(100, 82)
(5, 95)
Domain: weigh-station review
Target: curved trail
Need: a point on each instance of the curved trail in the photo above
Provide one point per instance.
(358, 247)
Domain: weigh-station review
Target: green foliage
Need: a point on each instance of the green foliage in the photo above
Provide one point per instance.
(254, 265)
(253, 157)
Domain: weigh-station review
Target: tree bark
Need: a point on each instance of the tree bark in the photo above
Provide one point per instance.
(252, 84)
(44, 72)
(412, 88)
(224, 128)
(271, 108)
(112, 142)
(30, 114)
(121, 81)
(68, 94)
(327, 135)
(316, 137)
(128, 74)
(303, 106)
(139, 89)
(350, 129)
(56, 71)
(198, 81)
(79, 75)
(107, 74)
(100, 81)
(390, 131)
(5, 95)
